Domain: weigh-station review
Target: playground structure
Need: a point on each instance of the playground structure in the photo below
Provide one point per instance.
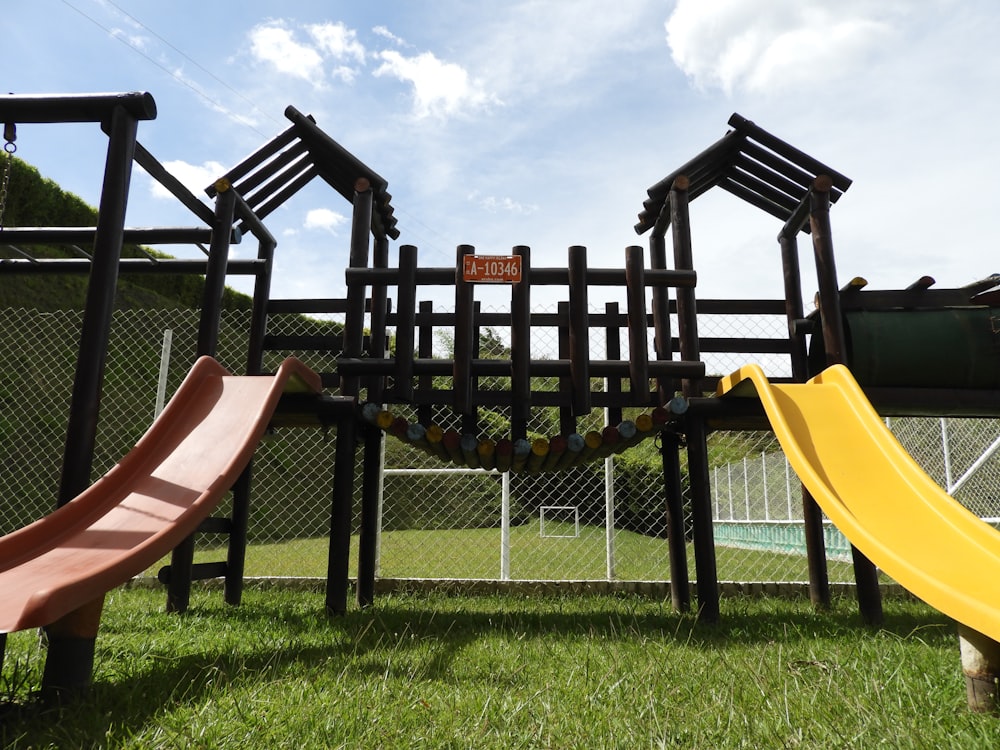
(748, 162)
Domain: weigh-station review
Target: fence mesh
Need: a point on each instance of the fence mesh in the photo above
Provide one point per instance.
(595, 522)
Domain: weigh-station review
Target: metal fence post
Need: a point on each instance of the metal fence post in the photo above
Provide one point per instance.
(746, 487)
(763, 476)
(788, 486)
(609, 515)
(505, 527)
(946, 454)
(161, 382)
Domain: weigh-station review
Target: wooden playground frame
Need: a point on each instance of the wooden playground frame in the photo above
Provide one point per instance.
(748, 162)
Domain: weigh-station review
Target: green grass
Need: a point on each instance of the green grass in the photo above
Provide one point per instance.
(475, 553)
(504, 671)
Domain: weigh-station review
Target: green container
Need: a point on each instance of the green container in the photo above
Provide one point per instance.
(943, 348)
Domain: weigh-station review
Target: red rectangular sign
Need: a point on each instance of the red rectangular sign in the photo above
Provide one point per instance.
(492, 269)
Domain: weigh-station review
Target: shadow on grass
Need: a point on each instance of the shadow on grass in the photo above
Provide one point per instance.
(277, 643)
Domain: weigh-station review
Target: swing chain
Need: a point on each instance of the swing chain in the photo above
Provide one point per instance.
(9, 136)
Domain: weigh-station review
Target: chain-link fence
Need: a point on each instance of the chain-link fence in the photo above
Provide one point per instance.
(757, 498)
(595, 522)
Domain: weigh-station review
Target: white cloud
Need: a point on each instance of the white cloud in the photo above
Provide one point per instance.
(133, 40)
(337, 41)
(276, 45)
(328, 51)
(440, 89)
(530, 49)
(333, 51)
(345, 73)
(324, 219)
(493, 204)
(383, 32)
(195, 177)
(761, 47)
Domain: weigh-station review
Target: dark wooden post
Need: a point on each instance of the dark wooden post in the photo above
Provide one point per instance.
(406, 306)
(613, 351)
(261, 300)
(343, 468)
(579, 330)
(354, 318)
(673, 489)
(465, 338)
(661, 312)
(865, 573)
(371, 469)
(338, 561)
(215, 275)
(81, 433)
(371, 475)
(567, 418)
(826, 272)
(794, 313)
(638, 354)
(697, 431)
(182, 558)
(378, 340)
(425, 350)
(69, 663)
(520, 348)
(470, 419)
(812, 516)
(237, 551)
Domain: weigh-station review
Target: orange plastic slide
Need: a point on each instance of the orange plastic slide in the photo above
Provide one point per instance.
(876, 494)
(147, 503)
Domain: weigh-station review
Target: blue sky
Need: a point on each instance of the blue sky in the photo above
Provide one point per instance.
(543, 123)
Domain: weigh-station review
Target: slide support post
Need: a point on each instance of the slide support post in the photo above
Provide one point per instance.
(981, 665)
(865, 573)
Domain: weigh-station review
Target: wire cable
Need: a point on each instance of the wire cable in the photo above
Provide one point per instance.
(173, 74)
(238, 94)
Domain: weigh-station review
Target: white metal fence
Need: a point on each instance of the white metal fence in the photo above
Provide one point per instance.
(959, 454)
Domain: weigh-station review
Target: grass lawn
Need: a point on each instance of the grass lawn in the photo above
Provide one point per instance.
(502, 671)
(475, 553)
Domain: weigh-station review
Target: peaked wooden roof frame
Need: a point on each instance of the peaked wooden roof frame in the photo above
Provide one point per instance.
(291, 160)
(752, 164)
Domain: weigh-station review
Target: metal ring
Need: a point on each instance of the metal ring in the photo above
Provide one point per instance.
(10, 147)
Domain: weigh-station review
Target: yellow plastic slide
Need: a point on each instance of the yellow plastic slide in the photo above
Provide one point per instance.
(877, 495)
